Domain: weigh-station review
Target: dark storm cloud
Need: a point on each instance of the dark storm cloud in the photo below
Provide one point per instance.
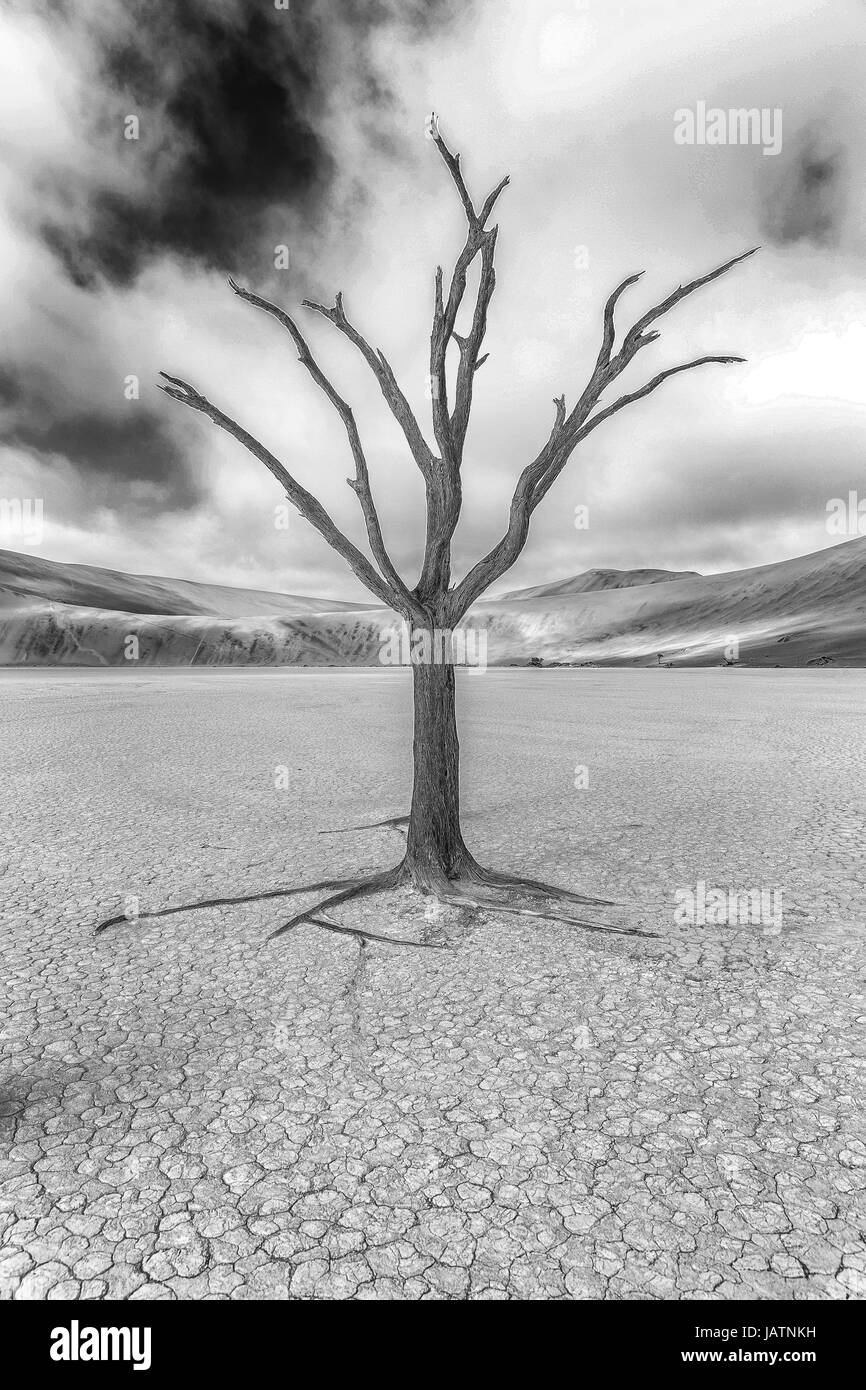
(140, 449)
(808, 202)
(226, 103)
(230, 98)
(233, 98)
(11, 386)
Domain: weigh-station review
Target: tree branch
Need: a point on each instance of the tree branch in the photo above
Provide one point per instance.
(381, 369)
(538, 476)
(542, 487)
(444, 492)
(682, 292)
(361, 483)
(471, 346)
(609, 333)
(308, 505)
(452, 162)
(450, 428)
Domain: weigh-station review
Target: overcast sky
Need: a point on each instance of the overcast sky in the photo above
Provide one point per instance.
(304, 126)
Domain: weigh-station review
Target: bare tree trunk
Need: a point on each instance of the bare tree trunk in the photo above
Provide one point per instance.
(435, 848)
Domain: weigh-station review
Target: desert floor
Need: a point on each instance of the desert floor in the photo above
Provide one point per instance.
(512, 1108)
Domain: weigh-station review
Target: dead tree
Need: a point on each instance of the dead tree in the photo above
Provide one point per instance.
(436, 859)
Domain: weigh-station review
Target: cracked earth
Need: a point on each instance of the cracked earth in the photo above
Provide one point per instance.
(513, 1109)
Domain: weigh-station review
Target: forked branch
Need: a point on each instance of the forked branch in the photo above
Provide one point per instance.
(549, 478)
(444, 492)
(308, 505)
(381, 369)
(450, 426)
(393, 591)
(360, 485)
(569, 430)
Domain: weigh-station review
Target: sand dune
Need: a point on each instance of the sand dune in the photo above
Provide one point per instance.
(592, 580)
(806, 611)
(811, 609)
(86, 586)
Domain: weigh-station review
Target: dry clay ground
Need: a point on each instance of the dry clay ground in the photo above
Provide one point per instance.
(515, 1109)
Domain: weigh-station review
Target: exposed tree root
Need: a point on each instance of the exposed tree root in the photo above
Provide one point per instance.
(498, 893)
(459, 897)
(374, 936)
(474, 887)
(226, 902)
(398, 823)
(360, 888)
(533, 887)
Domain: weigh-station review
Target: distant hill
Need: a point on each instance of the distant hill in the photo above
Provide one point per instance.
(87, 586)
(591, 580)
(809, 611)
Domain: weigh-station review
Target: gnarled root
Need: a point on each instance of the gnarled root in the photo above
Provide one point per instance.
(507, 899)
(533, 887)
(360, 888)
(471, 886)
(225, 902)
(398, 824)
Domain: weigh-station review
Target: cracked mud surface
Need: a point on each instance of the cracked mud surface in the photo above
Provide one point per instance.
(532, 1111)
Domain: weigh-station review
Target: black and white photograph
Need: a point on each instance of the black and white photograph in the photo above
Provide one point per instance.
(432, 667)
